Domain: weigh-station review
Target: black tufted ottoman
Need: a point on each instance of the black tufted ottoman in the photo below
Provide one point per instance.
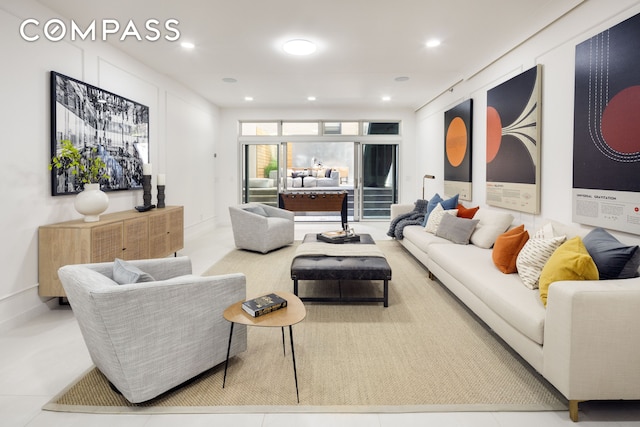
(324, 267)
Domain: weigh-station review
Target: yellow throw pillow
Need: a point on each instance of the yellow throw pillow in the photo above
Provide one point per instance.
(570, 261)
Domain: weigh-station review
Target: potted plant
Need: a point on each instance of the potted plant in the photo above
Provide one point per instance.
(88, 171)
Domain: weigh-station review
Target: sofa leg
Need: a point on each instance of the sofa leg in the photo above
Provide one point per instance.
(431, 276)
(573, 410)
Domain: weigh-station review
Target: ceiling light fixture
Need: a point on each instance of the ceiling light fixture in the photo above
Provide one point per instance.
(299, 47)
(311, 98)
(433, 43)
(187, 45)
(386, 98)
(248, 98)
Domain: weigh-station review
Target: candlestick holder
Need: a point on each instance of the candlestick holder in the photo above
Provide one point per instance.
(146, 188)
(160, 196)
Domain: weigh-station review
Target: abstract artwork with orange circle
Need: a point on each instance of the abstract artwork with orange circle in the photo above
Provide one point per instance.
(457, 148)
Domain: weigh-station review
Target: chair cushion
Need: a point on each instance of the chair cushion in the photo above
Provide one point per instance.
(125, 273)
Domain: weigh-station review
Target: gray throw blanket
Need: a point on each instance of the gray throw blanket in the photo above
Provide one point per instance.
(415, 217)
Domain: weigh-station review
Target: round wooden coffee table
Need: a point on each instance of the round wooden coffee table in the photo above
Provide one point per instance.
(293, 313)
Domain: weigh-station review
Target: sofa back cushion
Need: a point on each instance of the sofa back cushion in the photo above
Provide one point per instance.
(491, 225)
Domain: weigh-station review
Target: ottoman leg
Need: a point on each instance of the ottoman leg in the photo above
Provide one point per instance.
(386, 293)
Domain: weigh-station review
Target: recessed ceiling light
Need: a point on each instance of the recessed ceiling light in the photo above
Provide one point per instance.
(299, 47)
(401, 79)
(386, 98)
(187, 45)
(433, 43)
(229, 80)
(311, 98)
(248, 98)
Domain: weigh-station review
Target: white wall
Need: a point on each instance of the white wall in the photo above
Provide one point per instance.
(183, 129)
(554, 48)
(228, 152)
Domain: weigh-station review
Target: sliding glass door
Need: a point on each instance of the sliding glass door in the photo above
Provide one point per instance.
(379, 180)
(260, 173)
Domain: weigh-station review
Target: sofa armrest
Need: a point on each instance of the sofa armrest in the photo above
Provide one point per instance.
(592, 340)
(401, 208)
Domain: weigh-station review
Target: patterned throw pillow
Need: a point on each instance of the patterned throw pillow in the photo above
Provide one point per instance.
(533, 256)
(436, 216)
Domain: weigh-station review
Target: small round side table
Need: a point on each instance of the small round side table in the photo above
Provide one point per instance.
(293, 313)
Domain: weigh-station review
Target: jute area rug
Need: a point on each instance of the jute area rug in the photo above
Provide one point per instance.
(425, 352)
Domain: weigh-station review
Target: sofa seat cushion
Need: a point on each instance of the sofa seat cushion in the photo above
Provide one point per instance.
(416, 235)
(502, 293)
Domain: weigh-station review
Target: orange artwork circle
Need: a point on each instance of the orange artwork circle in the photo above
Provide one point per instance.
(494, 133)
(456, 141)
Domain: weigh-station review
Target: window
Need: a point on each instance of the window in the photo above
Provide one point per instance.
(300, 128)
(259, 129)
(381, 128)
(341, 128)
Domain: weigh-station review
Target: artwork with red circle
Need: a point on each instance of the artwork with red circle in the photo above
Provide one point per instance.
(606, 136)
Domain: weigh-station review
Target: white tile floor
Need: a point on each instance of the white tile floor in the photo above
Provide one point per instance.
(42, 356)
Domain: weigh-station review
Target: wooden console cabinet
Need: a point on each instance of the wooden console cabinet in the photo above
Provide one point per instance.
(126, 235)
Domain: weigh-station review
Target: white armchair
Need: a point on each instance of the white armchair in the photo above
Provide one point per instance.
(147, 338)
(261, 228)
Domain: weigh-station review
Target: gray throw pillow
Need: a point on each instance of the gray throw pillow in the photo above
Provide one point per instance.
(259, 210)
(125, 273)
(458, 230)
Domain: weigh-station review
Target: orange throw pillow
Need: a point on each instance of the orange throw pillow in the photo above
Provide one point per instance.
(466, 212)
(507, 247)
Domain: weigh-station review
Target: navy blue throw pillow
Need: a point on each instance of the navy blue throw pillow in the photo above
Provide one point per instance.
(613, 259)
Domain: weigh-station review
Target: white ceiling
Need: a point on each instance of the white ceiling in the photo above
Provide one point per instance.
(363, 45)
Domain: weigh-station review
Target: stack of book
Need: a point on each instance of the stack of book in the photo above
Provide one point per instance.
(264, 305)
(339, 236)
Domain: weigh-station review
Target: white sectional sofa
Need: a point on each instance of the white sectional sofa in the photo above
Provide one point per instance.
(585, 342)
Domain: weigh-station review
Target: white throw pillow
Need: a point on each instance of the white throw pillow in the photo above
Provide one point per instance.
(491, 225)
(436, 216)
(535, 254)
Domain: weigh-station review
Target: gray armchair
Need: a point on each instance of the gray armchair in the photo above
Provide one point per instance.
(147, 338)
(261, 228)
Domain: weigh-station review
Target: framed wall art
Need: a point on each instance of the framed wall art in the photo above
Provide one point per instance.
(457, 149)
(93, 118)
(513, 143)
(606, 135)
